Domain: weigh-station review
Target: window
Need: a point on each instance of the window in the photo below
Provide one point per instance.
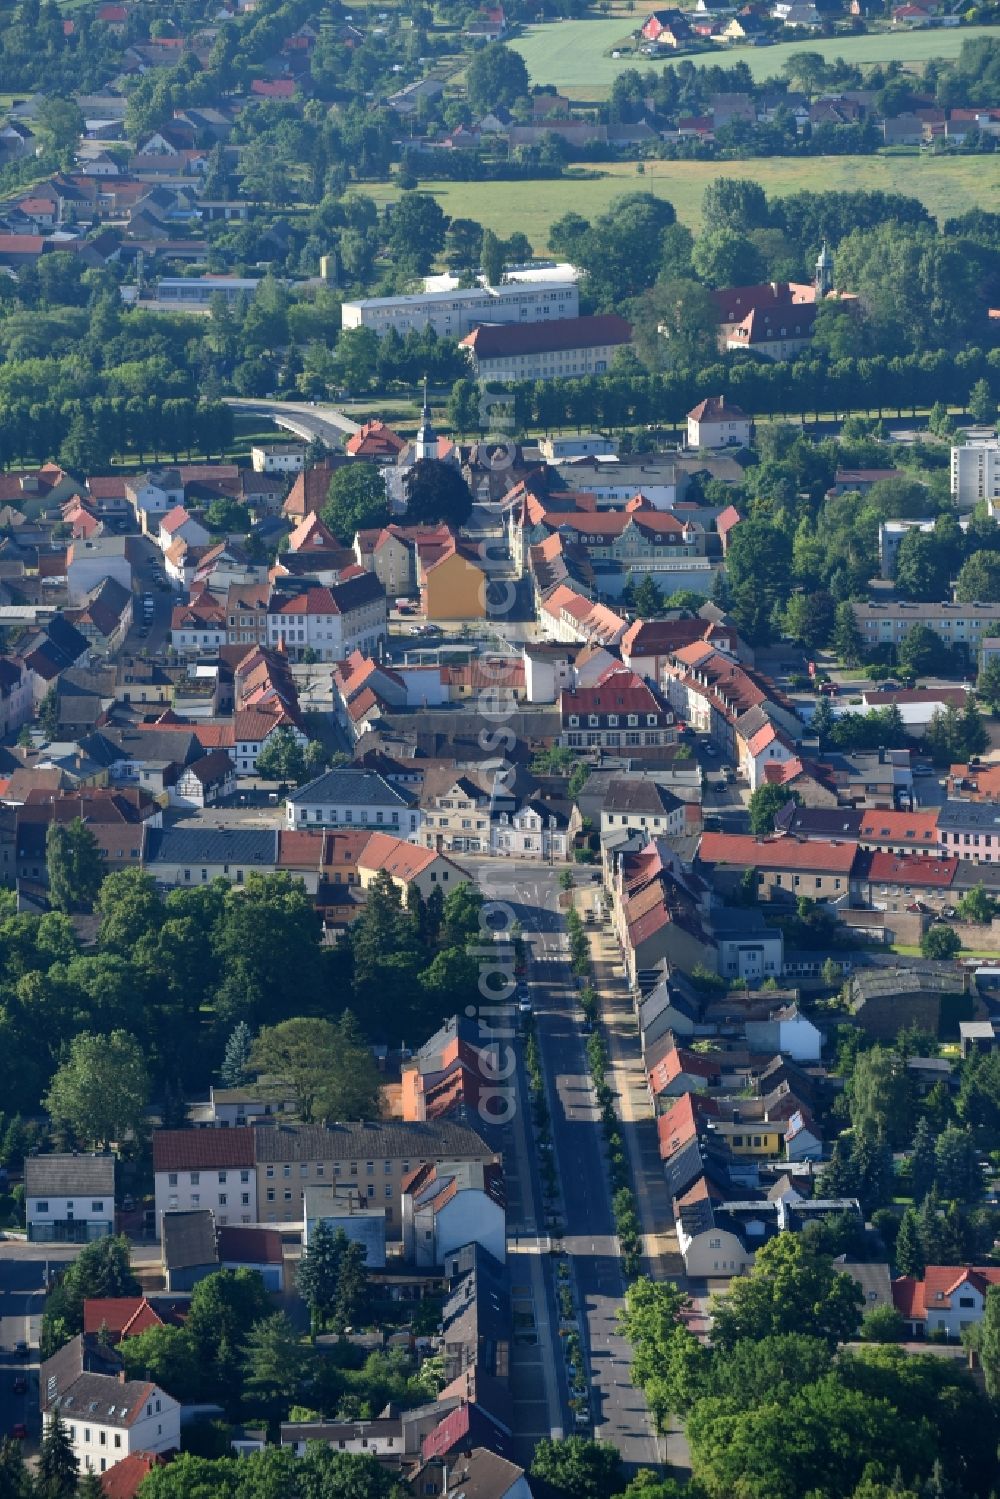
(244, 1176)
(222, 1199)
(245, 1199)
(195, 1178)
(172, 1179)
(268, 1170)
(388, 1190)
(288, 1194)
(222, 1178)
(270, 1194)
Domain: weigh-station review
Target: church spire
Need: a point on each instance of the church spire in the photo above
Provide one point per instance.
(425, 445)
(824, 272)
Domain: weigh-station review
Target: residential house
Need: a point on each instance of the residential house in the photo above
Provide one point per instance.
(205, 782)
(106, 1417)
(622, 711)
(199, 627)
(205, 1168)
(330, 622)
(946, 1301)
(970, 829)
(197, 855)
(372, 1158)
(90, 561)
(277, 458)
(189, 1250)
(962, 626)
(352, 797)
(640, 804)
(452, 581)
(406, 864)
(69, 1199)
(447, 1204)
(785, 869)
(716, 423)
(105, 617)
(888, 832)
(541, 828)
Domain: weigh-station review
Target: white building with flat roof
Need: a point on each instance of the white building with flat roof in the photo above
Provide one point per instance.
(454, 313)
(975, 472)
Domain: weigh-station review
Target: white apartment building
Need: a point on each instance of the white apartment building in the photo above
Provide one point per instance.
(90, 561)
(975, 471)
(453, 313)
(205, 1168)
(107, 1420)
(333, 622)
(348, 797)
(69, 1199)
(278, 457)
(566, 348)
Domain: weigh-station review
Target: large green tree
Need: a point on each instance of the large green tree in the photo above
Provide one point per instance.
(495, 78)
(101, 1090)
(436, 491)
(978, 582)
(356, 500)
(329, 1068)
(790, 1287)
(576, 1468)
(74, 865)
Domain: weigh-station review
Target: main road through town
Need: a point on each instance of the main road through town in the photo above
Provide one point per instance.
(620, 1414)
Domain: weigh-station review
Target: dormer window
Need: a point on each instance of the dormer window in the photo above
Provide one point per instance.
(613, 720)
(593, 720)
(633, 720)
(574, 720)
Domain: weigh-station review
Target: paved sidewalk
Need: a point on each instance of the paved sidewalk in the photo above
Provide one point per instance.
(635, 1107)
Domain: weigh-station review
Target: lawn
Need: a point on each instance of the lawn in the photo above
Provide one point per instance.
(576, 55)
(946, 185)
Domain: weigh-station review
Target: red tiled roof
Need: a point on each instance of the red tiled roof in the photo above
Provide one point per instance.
(918, 828)
(374, 440)
(741, 851)
(715, 409)
(397, 857)
(124, 1479)
(123, 1316)
(913, 869)
(202, 1149)
(913, 1298)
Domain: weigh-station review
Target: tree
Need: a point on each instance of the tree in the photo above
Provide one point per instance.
(676, 325)
(417, 230)
(908, 1253)
(809, 618)
(282, 757)
(74, 864)
(724, 257)
(59, 123)
(15, 1479)
(235, 1069)
(737, 203)
(492, 257)
(669, 1365)
(575, 1468)
(940, 941)
(647, 600)
(978, 582)
(923, 1161)
(275, 1363)
(982, 406)
(977, 905)
(436, 491)
(319, 1270)
(923, 568)
(871, 1159)
(922, 650)
(463, 407)
(329, 1069)
(880, 1094)
(988, 1342)
(101, 1090)
(58, 1469)
(846, 635)
(758, 564)
(352, 1287)
(883, 1324)
(130, 910)
(988, 682)
(90, 1486)
(495, 78)
(101, 1269)
(356, 500)
(764, 805)
(168, 1356)
(791, 1286)
(958, 1176)
(48, 713)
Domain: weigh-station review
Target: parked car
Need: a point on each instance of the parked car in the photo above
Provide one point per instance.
(20, 1385)
(19, 1431)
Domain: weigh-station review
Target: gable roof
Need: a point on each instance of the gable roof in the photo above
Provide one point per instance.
(742, 851)
(202, 1149)
(504, 340)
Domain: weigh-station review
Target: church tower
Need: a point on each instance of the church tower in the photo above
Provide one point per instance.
(425, 444)
(824, 272)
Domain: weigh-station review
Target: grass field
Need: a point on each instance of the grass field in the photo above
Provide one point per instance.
(946, 186)
(576, 55)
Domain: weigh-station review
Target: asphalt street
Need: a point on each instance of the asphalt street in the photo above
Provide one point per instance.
(619, 1411)
(23, 1268)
